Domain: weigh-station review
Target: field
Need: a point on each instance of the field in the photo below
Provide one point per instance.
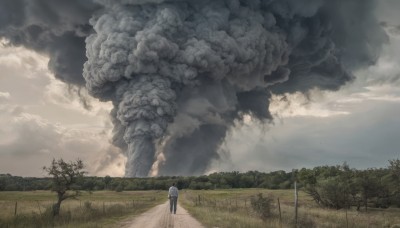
(232, 208)
(97, 209)
(213, 208)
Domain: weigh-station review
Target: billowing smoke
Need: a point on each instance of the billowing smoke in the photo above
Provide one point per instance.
(181, 72)
(57, 28)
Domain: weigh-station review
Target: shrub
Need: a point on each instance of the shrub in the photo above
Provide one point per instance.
(120, 188)
(261, 205)
(305, 222)
(87, 205)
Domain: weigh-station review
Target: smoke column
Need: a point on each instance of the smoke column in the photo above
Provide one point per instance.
(180, 72)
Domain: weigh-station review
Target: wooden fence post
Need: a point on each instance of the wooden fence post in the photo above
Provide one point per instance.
(295, 203)
(280, 213)
(16, 206)
(40, 211)
(347, 220)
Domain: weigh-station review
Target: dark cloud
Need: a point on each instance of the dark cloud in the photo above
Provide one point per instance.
(180, 72)
(57, 28)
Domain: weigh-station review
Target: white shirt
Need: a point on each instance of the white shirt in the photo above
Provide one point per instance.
(173, 191)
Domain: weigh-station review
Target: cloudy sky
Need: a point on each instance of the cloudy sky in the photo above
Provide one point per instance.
(42, 118)
(359, 124)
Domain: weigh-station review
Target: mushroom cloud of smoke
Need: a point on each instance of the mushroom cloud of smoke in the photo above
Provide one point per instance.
(180, 72)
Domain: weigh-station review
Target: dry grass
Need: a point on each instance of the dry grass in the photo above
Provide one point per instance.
(214, 208)
(231, 208)
(99, 209)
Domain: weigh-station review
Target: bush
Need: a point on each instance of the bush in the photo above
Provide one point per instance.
(261, 205)
(120, 188)
(382, 203)
(87, 205)
(305, 222)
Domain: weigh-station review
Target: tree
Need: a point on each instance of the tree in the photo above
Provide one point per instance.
(64, 176)
(369, 185)
(107, 180)
(88, 184)
(394, 171)
(332, 192)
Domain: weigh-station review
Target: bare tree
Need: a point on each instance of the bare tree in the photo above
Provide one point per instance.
(65, 175)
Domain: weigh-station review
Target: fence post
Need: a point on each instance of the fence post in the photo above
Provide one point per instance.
(280, 213)
(295, 203)
(40, 211)
(347, 220)
(16, 206)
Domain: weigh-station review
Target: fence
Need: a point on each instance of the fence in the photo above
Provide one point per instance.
(39, 213)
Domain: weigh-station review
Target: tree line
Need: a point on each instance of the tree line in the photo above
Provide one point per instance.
(342, 187)
(330, 186)
(220, 180)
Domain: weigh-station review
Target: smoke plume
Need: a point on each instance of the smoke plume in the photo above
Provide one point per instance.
(181, 72)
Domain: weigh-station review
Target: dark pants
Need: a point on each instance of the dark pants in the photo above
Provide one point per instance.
(173, 200)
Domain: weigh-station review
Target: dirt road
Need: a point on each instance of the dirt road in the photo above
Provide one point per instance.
(160, 217)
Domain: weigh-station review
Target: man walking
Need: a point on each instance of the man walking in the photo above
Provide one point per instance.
(173, 198)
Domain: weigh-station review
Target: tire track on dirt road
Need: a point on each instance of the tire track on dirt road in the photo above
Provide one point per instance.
(160, 217)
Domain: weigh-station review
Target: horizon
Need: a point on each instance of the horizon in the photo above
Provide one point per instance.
(231, 171)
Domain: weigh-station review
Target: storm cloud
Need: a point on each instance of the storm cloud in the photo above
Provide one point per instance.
(180, 73)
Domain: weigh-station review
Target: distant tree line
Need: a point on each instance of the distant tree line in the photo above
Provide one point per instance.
(342, 187)
(330, 186)
(222, 180)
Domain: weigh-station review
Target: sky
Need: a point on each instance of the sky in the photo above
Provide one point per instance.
(42, 118)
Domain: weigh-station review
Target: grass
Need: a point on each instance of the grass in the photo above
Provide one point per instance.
(99, 209)
(213, 208)
(232, 208)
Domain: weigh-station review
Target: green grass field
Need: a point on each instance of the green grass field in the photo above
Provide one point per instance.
(232, 208)
(98, 209)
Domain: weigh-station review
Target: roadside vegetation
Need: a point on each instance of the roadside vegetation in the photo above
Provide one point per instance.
(234, 209)
(97, 209)
(329, 196)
